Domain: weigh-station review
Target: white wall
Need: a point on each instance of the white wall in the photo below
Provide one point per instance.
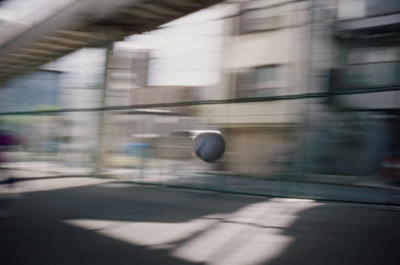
(287, 46)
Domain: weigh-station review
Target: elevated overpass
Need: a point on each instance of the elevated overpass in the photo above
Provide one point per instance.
(88, 23)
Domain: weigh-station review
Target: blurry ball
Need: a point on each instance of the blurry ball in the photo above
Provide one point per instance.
(209, 146)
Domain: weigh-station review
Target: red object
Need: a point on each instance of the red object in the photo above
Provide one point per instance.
(390, 168)
(7, 140)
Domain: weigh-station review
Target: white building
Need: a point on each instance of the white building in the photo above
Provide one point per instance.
(264, 54)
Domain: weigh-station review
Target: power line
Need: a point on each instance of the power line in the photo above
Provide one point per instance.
(213, 102)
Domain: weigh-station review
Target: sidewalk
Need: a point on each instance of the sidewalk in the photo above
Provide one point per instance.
(355, 189)
(372, 192)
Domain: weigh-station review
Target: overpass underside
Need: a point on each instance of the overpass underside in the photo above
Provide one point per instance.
(88, 23)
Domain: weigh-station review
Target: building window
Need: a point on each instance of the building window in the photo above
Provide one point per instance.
(261, 81)
(371, 67)
(381, 7)
(256, 17)
(371, 54)
(352, 9)
(371, 75)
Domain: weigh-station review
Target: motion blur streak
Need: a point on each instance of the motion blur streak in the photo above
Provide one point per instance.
(199, 131)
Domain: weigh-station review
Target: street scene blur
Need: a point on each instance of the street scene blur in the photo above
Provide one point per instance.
(199, 132)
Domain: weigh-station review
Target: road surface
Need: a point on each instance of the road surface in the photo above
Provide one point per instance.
(92, 221)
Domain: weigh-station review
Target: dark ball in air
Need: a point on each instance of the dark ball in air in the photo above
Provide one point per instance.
(209, 146)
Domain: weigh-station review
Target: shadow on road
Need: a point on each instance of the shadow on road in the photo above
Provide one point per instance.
(38, 234)
(342, 234)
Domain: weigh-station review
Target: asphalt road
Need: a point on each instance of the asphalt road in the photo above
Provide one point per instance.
(102, 222)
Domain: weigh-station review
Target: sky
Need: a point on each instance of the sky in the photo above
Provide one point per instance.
(185, 51)
(30, 11)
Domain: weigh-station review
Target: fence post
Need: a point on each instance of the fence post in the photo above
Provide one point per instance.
(99, 150)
